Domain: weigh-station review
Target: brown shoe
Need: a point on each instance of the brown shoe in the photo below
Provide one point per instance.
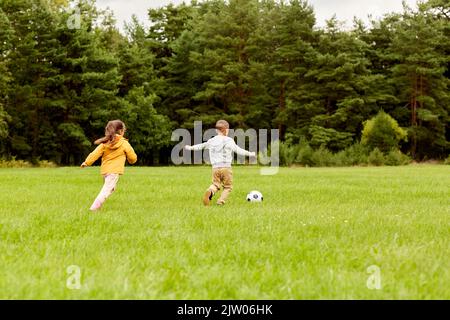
(207, 197)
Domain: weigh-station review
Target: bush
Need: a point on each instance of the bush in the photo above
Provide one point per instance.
(341, 159)
(322, 157)
(382, 132)
(288, 153)
(13, 163)
(447, 161)
(305, 155)
(46, 164)
(397, 158)
(376, 158)
(356, 154)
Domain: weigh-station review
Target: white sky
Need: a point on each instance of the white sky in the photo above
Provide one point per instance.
(324, 9)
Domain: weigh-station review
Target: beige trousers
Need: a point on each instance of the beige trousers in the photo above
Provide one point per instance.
(222, 177)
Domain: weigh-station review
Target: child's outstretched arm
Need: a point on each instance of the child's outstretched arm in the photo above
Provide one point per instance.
(197, 147)
(93, 156)
(131, 155)
(240, 151)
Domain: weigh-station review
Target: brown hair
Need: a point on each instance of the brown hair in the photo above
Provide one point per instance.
(222, 126)
(112, 128)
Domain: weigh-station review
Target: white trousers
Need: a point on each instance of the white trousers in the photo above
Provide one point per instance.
(108, 188)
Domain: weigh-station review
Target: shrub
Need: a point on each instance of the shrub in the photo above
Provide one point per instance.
(376, 157)
(288, 153)
(13, 163)
(447, 161)
(305, 155)
(397, 158)
(341, 159)
(356, 154)
(46, 164)
(322, 157)
(382, 132)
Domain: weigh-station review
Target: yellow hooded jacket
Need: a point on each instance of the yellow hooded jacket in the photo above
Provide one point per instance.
(113, 156)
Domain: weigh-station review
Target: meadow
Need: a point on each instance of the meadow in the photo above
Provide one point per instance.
(315, 236)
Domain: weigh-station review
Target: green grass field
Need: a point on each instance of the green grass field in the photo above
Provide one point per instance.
(314, 236)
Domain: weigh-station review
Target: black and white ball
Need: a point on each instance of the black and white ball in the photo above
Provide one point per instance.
(255, 196)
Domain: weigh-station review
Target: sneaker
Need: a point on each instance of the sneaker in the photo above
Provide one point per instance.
(207, 197)
(96, 206)
(220, 203)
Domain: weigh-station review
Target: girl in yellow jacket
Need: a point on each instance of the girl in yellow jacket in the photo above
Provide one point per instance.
(114, 150)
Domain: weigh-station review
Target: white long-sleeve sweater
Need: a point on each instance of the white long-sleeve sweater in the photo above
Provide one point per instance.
(221, 150)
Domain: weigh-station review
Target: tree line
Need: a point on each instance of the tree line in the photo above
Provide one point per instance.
(255, 63)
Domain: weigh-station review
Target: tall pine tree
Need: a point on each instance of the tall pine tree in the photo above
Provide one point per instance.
(418, 48)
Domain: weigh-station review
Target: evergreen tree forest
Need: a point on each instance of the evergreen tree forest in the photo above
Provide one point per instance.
(66, 69)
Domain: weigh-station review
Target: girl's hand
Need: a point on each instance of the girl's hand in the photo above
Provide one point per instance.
(83, 165)
(188, 148)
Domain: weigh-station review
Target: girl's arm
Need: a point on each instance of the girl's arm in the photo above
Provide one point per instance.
(131, 155)
(93, 156)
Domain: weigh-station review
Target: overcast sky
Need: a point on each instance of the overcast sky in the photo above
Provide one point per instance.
(324, 9)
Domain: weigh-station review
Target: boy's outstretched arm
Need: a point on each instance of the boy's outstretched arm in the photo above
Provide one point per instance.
(93, 156)
(240, 151)
(197, 147)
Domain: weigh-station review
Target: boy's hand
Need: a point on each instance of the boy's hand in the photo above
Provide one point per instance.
(83, 165)
(189, 148)
(253, 154)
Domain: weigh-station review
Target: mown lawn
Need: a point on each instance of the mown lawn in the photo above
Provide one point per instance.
(314, 236)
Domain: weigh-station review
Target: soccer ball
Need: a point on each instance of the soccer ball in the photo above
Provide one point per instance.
(255, 196)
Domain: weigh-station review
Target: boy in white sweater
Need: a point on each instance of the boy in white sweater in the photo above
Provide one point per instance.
(221, 149)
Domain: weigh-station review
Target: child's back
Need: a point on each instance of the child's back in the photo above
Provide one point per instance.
(114, 150)
(221, 149)
(113, 155)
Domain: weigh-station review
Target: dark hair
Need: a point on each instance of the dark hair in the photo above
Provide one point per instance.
(112, 128)
(222, 125)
